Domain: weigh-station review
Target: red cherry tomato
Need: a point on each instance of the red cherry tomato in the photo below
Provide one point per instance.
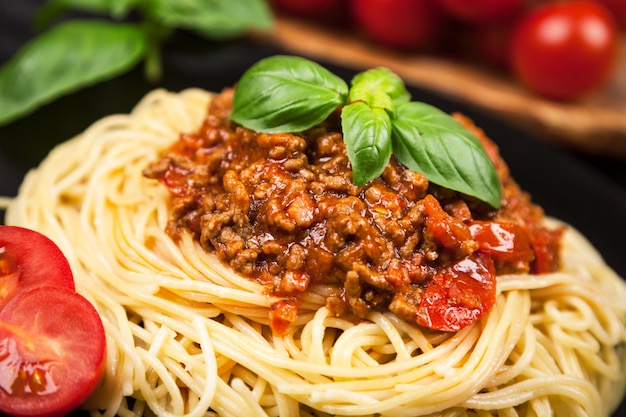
(618, 8)
(459, 295)
(563, 50)
(52, 352)
(315, 9)
(29, 259)
(403, 24)
(481, 10)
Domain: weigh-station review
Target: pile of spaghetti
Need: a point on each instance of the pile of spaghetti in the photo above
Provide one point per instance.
(189, 333)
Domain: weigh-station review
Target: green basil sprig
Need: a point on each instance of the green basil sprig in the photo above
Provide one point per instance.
(73, 54)
(286, 94)
(378, 119)
(41, 71)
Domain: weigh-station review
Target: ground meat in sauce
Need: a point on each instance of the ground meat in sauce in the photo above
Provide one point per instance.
(282, 209)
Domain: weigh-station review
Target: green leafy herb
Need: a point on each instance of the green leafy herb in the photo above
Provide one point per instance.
(367, 134)
(77, 53)
(70, 56)
(427, 140)
(117, 9)
(212, 18)
(378, 119)
(379, 87)
(286, 93)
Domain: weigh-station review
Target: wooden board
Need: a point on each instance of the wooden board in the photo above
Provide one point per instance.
(595, 124)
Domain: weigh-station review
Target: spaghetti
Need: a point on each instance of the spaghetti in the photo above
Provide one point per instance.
(186, 336)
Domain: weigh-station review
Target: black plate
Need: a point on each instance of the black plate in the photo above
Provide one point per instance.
(566, 187)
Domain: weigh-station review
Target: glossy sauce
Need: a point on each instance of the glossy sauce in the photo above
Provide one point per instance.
(282, 209)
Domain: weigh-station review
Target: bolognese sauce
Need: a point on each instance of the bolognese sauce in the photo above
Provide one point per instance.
(282, 209)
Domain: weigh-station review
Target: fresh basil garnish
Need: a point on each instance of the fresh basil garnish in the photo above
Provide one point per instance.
(213, 18)
(367, 134)
(77, 53)
(286, 94)
(379, 87)
(52, 9)
(291, 94)
(70, 56)
(427, 140)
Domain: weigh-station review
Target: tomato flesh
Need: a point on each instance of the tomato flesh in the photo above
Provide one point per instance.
(52, 352)
(545, 245)
(282, 314)
(29, 259)
(508, 244)
(459, 294)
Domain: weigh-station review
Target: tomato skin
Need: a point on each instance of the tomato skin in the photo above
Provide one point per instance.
(508, 244)
(564, 50)
(52, 352)
(459, 295)
(618, 8)
(476, 11)
(29, 259)
(401, 24)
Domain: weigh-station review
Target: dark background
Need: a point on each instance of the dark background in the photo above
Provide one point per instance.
(588, 192)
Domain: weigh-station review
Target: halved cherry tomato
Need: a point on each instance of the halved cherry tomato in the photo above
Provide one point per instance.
(29, 259)
(563, 50)
(459, 294)
(52, 352)
(403, 24)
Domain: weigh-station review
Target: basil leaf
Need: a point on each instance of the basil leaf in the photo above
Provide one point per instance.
(286, 94)
(212, 18)
(53, 8)
(379, 87)
(427, 140)
(69, 56)
(367, 135)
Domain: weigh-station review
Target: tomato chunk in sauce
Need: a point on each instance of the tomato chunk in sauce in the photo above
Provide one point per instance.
(282, 209)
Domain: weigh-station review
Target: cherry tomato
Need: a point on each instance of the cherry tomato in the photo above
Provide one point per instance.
(618, 8)
(481, 10)
(52, 352)
(29, 259)
(563, 50)
(459, 295)
(314, 9)
(403, 24)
